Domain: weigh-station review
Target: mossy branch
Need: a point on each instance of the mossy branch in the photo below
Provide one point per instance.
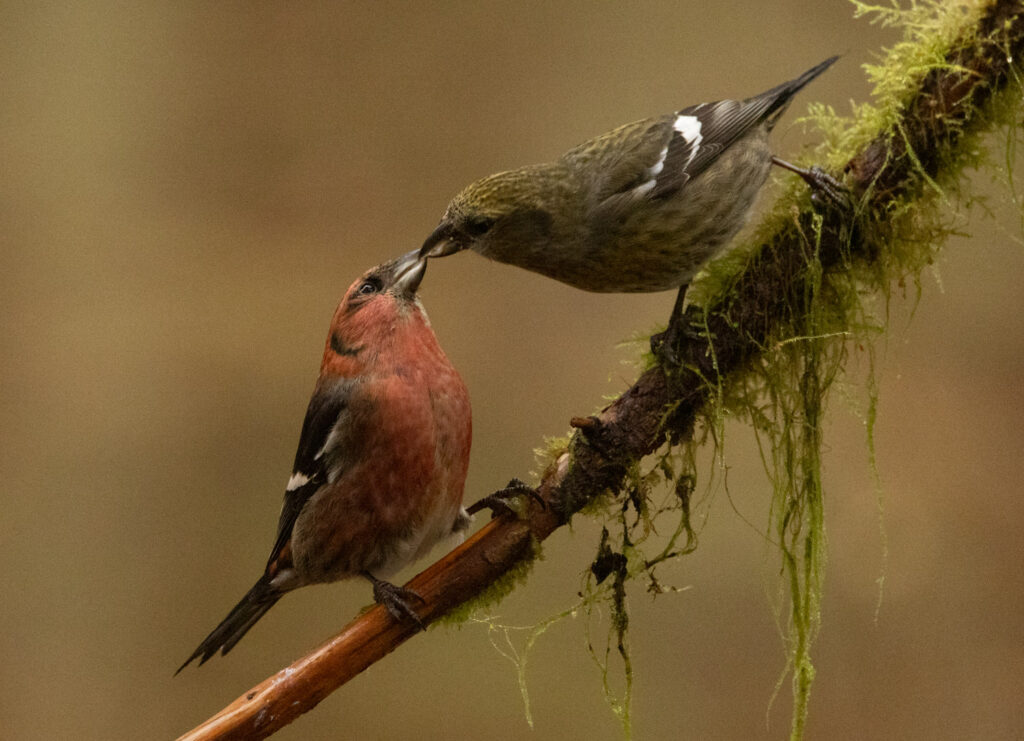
(921, 144)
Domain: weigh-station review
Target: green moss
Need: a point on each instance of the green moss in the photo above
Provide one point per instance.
(548, 454)
(501, 637)
(783, 395)
(495, 592)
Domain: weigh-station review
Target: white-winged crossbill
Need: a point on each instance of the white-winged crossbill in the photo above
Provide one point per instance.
(640, 208)
(382, 457)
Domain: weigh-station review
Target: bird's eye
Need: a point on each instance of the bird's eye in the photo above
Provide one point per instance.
(478, 226)
(369, 287)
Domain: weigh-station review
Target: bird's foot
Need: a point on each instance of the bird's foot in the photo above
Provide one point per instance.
(501, 501)
(826, 190)
(824, 187)
(664, 345)
(395, 599)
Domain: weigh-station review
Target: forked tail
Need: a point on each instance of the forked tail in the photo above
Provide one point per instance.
(243, 616)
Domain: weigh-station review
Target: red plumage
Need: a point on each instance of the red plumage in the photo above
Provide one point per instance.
(382, 458)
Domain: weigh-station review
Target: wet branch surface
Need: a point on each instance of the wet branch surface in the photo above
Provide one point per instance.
(636, 424)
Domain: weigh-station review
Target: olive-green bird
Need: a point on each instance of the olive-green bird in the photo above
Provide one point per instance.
(640, 208)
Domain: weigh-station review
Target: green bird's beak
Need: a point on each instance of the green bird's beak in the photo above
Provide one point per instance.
(441, 242)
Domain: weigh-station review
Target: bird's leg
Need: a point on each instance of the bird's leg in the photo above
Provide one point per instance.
(824, 185)
(663, 344)
(394, 599)
(500, 501)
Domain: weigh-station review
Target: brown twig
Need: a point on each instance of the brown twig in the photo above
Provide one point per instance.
(457, 577)
(636, 424)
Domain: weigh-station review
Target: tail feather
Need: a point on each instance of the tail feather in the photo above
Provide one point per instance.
(777, 99)
(243, 616)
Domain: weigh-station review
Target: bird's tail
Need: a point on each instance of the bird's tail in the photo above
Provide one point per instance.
(777, 99)
(243, 616)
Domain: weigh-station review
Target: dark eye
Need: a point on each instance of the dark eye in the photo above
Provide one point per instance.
(478, 226)
(369, 286)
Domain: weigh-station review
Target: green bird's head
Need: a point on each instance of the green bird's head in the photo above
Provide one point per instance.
(501, 213)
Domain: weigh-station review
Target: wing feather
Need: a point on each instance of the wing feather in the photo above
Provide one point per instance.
(316, 459)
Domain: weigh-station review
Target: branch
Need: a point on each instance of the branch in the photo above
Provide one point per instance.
(896, 166)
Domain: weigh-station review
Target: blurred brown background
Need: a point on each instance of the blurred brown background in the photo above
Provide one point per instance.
(186, 193)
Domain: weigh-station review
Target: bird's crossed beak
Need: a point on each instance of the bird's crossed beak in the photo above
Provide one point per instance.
(441, 242)
(409, 271)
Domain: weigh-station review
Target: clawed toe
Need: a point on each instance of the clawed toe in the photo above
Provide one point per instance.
(395, 600)
(665, 344)
(502, 501)
(663, 347)
(826, 189)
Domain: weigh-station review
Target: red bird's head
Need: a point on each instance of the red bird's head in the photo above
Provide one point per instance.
(380, 318)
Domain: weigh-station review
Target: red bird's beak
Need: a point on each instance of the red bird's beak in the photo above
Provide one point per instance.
(409, 271)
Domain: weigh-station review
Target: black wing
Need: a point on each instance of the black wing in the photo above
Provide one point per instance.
(654, 159)
(315, 462)
(725, 121)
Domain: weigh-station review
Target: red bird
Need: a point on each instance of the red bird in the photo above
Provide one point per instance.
(382, 458)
